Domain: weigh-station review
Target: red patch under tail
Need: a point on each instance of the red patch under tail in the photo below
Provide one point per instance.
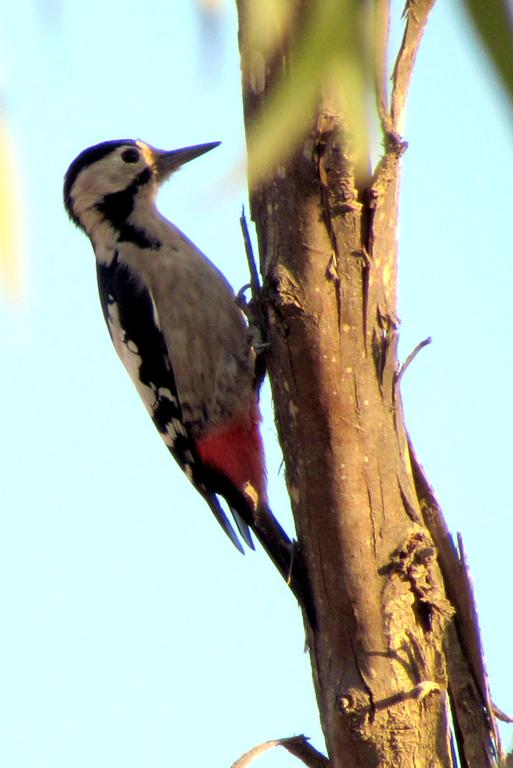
(235, 449)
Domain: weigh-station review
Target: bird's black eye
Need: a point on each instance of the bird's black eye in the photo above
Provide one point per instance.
(131, 155)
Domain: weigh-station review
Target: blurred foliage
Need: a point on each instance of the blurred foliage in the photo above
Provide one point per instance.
(331, 53)
(493, 21)
(211, 6)
(10, 219)
(337, 49)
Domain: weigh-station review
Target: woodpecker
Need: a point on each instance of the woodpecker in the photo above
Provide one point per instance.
(175, 324)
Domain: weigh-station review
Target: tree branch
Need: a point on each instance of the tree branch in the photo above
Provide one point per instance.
(365, 515)
(299, 746)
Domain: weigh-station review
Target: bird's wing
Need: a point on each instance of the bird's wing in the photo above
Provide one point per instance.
(133, 324)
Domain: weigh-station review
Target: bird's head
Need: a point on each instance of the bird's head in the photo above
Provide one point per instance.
(113, 173)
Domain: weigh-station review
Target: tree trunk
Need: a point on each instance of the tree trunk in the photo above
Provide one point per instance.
(380, 652)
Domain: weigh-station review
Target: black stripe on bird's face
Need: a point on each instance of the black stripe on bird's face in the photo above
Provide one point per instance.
(116, 207)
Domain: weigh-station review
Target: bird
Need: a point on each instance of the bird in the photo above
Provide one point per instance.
(175, 324)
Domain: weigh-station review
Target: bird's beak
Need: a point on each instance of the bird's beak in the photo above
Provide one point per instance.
(167, 162)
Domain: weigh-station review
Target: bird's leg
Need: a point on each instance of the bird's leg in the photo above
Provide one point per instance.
(253, 314)
(256, 334)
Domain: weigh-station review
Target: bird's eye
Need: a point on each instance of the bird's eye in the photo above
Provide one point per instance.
(131, 155)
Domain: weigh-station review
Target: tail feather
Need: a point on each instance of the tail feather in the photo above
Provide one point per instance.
(226, 525)
(243, 528)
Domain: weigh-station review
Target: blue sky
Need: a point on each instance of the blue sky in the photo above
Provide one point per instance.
(133, 633)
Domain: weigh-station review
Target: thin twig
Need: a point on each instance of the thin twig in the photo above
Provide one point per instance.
(417, 12)
(253, 309)
(501, 715)
(411, 357)
(253, 271)
(298, 746)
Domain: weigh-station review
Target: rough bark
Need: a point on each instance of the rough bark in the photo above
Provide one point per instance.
(327, 241)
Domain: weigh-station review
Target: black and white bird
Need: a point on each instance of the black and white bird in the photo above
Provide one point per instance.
(175, 324)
